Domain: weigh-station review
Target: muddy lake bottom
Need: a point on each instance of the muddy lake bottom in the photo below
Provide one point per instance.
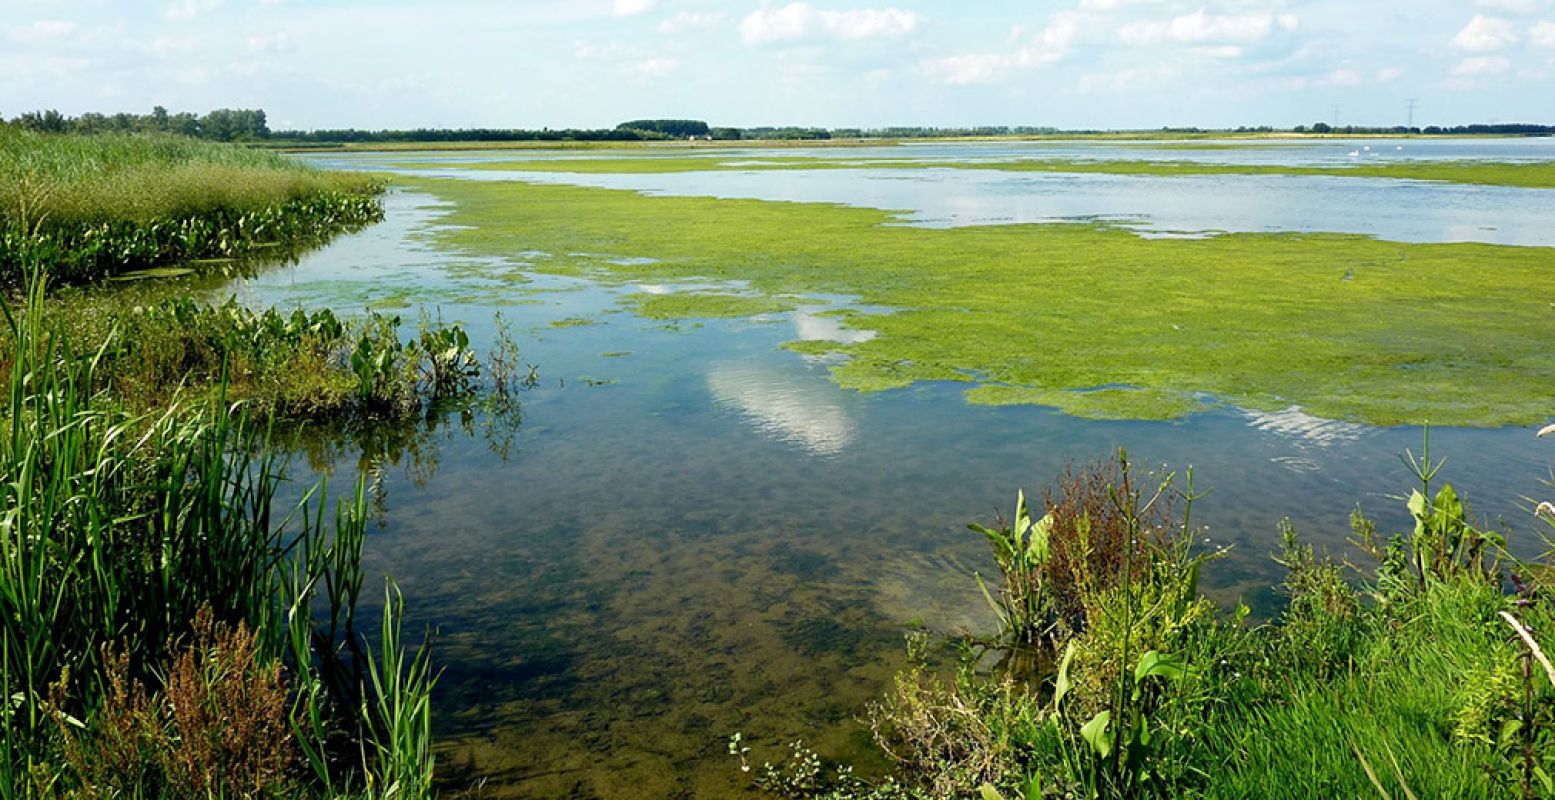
(687, 531)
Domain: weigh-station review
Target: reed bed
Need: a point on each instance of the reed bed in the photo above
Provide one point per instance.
(100, 205)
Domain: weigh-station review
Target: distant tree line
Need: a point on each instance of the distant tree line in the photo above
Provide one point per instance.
(1499, 129)
(222, 125)
(241, 124)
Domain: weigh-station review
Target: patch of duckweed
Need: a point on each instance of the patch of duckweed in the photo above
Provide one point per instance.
(573, 322)
(698, 305)
(1348, 327)
(616, 354)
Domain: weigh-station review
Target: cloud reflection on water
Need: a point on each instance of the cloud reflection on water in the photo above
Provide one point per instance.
(797, 408)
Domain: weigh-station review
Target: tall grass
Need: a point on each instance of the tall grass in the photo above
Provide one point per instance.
(91, 206)
(119, 532)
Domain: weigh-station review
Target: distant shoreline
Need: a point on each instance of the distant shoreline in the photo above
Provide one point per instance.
(1231, 140)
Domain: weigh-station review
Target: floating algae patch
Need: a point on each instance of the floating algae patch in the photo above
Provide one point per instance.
(573, 322)
(1348, 327)
(693, 305)
(1121, 402)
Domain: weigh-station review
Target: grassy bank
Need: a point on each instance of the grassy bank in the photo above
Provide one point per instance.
(1418, 674)
(95, 206)
(1533, 175)
(1093, 320)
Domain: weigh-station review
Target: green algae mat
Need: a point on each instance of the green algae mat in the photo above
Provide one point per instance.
(1093, 320)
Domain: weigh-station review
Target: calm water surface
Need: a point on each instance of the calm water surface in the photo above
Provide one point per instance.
(690, 532)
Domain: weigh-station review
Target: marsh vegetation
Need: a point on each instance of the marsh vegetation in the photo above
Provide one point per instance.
(1413, 672)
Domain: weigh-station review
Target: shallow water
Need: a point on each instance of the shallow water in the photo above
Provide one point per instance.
(1395, 210)
(692, 532)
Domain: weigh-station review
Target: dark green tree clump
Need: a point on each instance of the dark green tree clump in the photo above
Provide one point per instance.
(677, 128)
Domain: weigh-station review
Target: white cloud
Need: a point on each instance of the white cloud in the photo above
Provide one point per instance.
(1484, 34)
(968, 68)
(691, 21)
(1112, 5)
(1046, 46)
(42, 30)
(797, 21)
(1202, 27)
(1389, 74)
(1342, 77)
(189, 9)
(1220, 51)
(1480, 67)
(632, 8)
(1543, 34)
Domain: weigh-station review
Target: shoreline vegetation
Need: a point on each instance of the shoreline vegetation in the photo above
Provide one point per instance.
(168, 628)
(108, 205)
(1421, 673)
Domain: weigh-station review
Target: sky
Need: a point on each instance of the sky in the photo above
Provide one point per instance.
(832, 63)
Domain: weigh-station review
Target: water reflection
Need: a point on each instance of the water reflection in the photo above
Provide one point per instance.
(798, 408)
(812, 325)
(1293, 423)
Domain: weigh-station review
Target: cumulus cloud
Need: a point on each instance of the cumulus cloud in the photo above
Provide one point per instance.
(1484, 34)
(690, 21)
(968, 68)
(799, 21)
(1481, 67)
(1113, 5)
(631, 8)
(43, 30)
(1342, 77)
(1202, 27)
(189, 9)
(1543, 34)
(1046, 46)
(1389, 74)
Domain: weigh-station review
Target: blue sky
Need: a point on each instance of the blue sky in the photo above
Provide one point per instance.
(589, 63)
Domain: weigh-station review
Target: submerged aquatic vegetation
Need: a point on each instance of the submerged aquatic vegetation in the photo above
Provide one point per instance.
(96, 206)
(1093, 320)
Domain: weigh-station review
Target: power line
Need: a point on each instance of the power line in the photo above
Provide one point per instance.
(1412, 102)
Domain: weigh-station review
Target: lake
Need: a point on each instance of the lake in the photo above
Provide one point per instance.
(691, 532)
